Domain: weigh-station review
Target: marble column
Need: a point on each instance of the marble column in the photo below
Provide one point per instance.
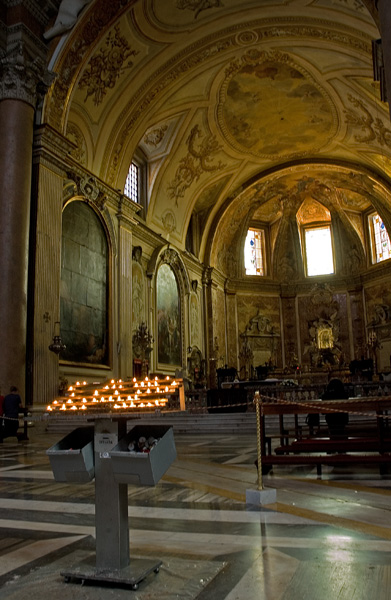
(16, 126)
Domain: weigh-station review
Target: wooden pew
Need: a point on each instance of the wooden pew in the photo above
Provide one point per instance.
(347, 449)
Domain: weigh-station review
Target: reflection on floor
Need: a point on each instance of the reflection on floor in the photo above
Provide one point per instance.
(323, 539)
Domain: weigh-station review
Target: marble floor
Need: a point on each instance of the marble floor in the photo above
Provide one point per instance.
(323, 538)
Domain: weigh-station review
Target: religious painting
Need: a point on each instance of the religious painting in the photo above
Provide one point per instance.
(168, 317)
(83, 286)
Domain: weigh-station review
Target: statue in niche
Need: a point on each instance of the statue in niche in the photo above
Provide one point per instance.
(324, 349)
(382, 314)
(287, 267)
(137, 253)
(325, 338)
(353, 260)
(259, 324)
(137, 297)
(194, 320)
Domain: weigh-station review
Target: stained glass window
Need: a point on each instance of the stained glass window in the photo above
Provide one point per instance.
(132, 183)
(319, 251)
(382, 245)
(254, 252)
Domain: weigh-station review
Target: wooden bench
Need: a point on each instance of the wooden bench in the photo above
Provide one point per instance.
(382, 460)
(369, 447)
(327, 445)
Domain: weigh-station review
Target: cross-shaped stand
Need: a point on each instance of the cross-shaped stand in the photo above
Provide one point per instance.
(113, 563)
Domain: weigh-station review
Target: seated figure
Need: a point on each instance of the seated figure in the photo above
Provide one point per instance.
(336, 422)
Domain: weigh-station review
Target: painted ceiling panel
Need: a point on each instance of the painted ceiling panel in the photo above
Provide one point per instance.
(223, 98)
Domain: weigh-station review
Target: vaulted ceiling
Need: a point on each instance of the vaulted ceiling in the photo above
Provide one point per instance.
(239, 108)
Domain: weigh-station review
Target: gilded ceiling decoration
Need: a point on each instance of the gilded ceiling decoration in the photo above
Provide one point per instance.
(106, 66)
(271, 84)
(312, 211)
(85, 38)
(373, 128)
(195, 163)
(270, 107)
(155, 137)
(197, 6)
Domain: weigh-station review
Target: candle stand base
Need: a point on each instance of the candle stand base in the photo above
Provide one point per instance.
(131, 575)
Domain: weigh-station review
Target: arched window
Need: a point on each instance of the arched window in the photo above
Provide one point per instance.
(314, 221)
(136, 181)
(254, 252)
(318, 250)
(83, 289)
(380, 241)
(132, 184)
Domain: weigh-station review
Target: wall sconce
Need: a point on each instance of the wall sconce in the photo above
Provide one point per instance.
(57, 346)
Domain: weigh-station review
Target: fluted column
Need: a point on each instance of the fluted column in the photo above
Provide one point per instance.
(124, 292)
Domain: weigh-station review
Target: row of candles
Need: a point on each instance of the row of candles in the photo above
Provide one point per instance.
(117, 395)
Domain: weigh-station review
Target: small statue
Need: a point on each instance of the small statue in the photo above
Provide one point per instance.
(66, 18)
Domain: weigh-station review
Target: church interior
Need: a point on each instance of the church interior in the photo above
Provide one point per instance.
(198, 190)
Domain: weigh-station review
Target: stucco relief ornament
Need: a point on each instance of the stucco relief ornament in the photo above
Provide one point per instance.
(156, 136)
(22, 76)
(321, 294)
(195, 163)
(89, 188)
(106, 66)
(197, 6)
(74, 134)
(169, 221)
(169, 256)
(373, 129)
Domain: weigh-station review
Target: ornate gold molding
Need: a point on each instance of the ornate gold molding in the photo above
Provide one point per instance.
(208, 48)
(194, 164)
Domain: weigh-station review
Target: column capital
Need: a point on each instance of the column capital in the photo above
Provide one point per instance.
(23, 76)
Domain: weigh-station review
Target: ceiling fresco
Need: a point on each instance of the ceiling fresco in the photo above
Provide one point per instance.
(270, 108)
(238, 108)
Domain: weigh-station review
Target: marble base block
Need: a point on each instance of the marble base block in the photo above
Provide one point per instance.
(257, 497)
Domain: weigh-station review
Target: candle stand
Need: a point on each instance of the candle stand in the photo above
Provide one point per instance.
(101, 451)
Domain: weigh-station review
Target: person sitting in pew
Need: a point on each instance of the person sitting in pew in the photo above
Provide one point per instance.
(336, 421)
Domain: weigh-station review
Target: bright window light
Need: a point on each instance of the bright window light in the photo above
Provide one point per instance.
(382, 245)
(253, 252)
(132, 183)
(319, 251)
